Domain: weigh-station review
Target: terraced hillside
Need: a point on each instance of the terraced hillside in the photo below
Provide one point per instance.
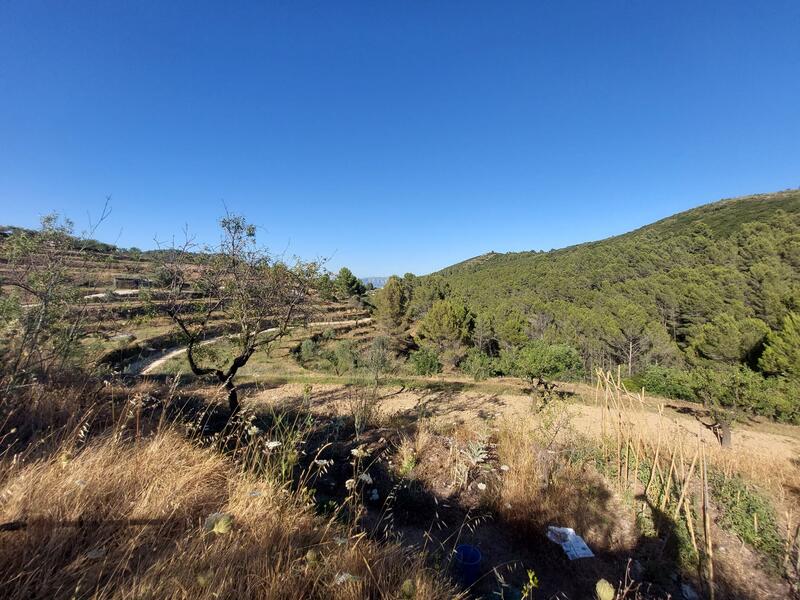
(122, 306)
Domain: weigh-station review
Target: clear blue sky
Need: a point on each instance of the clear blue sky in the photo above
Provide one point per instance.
(394, 136)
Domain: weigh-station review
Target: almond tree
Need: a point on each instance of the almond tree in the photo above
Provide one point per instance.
(259, 297)
(43, 311)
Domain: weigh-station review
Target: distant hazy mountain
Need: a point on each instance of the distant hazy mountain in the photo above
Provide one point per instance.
(378, 282)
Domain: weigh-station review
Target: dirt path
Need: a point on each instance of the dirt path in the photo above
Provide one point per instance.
(150, 365)
(767, 451)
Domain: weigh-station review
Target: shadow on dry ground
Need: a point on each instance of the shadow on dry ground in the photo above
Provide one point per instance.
(411, 511)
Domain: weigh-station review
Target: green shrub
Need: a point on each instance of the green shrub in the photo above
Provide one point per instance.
(344, 357)
(739, 388)
(308, 350)
(543, 361)
(668, 382)
(377, 358)
(785, 394)
(426, 362)
(477, 364)
(749, 514)
(447, 325)
(505, 363)
(782, 352)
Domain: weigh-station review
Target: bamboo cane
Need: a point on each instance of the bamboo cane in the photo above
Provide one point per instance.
(627, 460)
(686, 481)
(619, 457)
(788, 550)
(797, 547)
(707, 529)
(690, 524)
(668, 484)
(653, 468)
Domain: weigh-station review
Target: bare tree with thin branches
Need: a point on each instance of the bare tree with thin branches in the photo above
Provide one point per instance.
(43, 312)
(259, 297)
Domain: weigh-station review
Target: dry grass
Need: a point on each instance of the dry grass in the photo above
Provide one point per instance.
(546, 481)
(413, 446)
(115, 507)
(121, 517)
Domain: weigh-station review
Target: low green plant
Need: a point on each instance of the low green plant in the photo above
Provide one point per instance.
(475, 452)
(411, 448)
(477, 364)
(274, 442)
(308, 350)
(530, 585)
(666, 381)
(343, 358)
(749, 514)
(426, 362)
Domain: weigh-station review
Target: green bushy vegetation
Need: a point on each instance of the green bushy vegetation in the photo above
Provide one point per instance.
(344, 357)
(425, 362)
(539, 361)
(447, 327)
(749, 514)
(346, 285)
(701, 306)
(478, 365)
(667, 381)
(782, 350)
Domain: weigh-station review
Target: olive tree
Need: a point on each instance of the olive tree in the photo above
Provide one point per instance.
(259, 297)
(539, 363)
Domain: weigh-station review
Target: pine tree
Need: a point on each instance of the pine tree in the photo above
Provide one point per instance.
(348, 285)
(448, 327)
(390, 304)
(782, 351)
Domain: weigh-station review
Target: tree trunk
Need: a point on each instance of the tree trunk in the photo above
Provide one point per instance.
(227, 378)
(222, 377)
(233, 396)
(725, 434)
(630, 358)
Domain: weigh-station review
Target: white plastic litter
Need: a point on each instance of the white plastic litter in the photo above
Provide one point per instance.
(572, 544)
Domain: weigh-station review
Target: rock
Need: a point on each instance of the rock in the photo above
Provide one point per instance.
(604, 590)
(637, 571)
(123, 337)
(688, 593)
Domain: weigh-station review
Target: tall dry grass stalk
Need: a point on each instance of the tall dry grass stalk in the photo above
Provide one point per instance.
(545, 481)
(624, 412)
(670, 487)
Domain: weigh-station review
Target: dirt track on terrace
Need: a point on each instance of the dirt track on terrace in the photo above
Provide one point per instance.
(152, 363)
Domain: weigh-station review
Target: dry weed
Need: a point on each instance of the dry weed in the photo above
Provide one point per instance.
(125, 519)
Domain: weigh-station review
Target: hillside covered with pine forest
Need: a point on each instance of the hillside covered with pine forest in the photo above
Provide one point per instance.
(716, 286)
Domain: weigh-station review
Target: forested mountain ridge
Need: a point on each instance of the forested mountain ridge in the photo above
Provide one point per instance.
(644, 297)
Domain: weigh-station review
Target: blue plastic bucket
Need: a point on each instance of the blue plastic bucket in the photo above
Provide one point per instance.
(468, 564)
